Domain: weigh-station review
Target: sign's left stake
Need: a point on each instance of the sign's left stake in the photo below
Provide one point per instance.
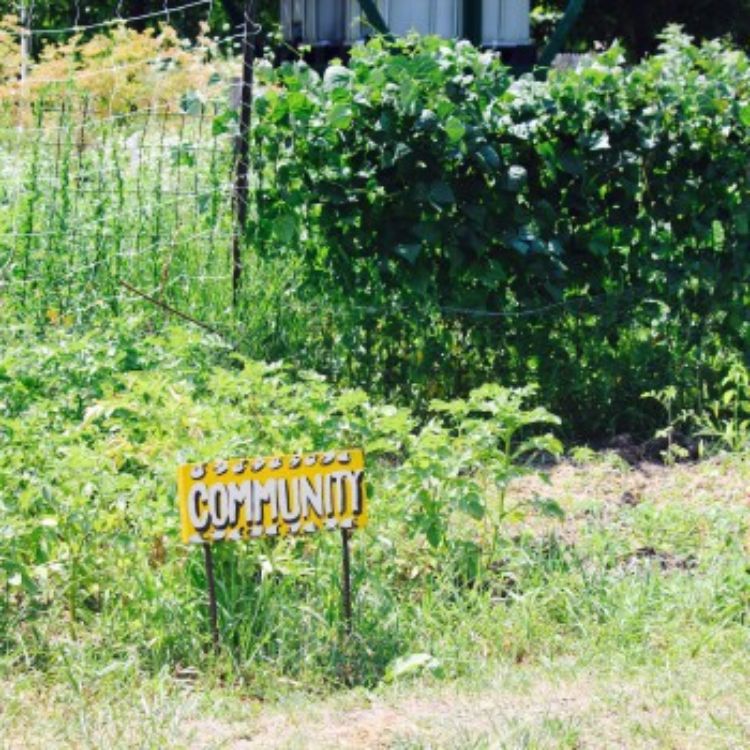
(209, 558)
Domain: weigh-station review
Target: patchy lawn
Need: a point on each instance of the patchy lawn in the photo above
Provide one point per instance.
(681, 689)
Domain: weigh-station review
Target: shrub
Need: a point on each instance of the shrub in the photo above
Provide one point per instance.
(114, 72)
(589, 232)
(89, 549)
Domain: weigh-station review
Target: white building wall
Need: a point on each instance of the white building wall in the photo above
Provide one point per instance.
(441, 17)
(504, 22)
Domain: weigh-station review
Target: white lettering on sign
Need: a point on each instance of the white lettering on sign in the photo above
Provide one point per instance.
(272, 496)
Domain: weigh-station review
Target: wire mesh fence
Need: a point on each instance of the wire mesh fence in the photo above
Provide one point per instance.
(119, 164)
(86, 201)
(111, 169)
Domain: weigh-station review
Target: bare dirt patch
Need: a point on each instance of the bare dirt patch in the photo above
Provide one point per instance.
(607, 486)
(399, 720)
(525, 709)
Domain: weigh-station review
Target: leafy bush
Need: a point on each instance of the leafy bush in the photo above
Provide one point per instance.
(421, 222)
(114, 72)
(588, 232)
(463, 464)
(637, 25)
(94, 578)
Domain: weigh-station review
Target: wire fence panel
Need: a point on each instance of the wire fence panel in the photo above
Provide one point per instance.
(112, 171)
(98, 187)
(84, 202)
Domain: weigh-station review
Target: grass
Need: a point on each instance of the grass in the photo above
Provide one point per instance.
(559, 704)
(625, 624)
(643, 662)
(94, 195)
(87, 202)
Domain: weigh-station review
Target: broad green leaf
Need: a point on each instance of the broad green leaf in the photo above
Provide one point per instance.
(548, 507)
(434, 533)
(340, 116)
(599, 142)
(515, 177)
(411, 665)
(472, 505)
(336, 76)
(454, 129)
(225, 122)
(285, 228)
(409, 252)
(488, 158)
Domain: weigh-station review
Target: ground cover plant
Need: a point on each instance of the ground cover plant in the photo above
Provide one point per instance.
(421, 221)
(587, 232)
(99, 493)
(638, 26)
(470, 564)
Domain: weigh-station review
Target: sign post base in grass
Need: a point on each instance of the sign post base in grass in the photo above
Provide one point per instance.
(273, 496)
(346, 580)
(211, 582)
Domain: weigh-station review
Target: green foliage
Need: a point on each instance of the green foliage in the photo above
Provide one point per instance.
(94, 580)
(723, 422)
(727, 419)
(55, 14)
(90, 535)
(588, 232)
(462, 461)
(637, 25)
(421, 223)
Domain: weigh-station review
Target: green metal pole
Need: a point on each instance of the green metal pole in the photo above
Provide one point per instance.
(372, 14)
(473, 21)
(556, 42)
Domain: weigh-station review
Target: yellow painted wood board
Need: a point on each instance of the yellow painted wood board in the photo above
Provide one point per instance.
(269, 496)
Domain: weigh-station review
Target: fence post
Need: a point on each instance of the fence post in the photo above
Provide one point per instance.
(243, 149)
(25, 22)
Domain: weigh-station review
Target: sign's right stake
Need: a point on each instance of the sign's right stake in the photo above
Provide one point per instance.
(346, 580)
(212, 609)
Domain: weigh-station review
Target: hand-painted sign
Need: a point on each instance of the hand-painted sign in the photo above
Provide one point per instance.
(272, 496)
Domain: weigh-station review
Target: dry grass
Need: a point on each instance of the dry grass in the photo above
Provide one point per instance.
(607, 484)
(595, 700)
(529, 707)
(723, 479)
(561, 705)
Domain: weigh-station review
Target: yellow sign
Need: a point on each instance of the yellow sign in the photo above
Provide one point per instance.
(272, 496)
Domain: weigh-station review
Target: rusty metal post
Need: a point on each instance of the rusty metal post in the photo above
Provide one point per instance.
(24, 19)
(212, 609)
(346, 580)
(241, 183)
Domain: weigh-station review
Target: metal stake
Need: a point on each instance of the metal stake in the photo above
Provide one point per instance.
(209, 559)
(346, 580)
(241, 182)
(25, 22)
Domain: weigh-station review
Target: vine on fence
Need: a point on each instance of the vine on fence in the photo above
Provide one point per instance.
(419, 220)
